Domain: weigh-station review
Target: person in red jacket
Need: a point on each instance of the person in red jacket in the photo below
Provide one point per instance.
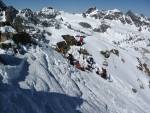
(81, 40)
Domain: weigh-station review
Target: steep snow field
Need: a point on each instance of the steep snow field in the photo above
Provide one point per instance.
(43, 81)
(47, 83)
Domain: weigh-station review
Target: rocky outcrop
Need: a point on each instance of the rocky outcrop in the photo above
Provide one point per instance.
(38, 36)
(48, 12)
(103, 28)
(5, 46)
(136, 19)
(3, 38)
(32, 17)
(91, 10)
(70, 40)
(11, 13)
(2, 24)
(18, 24)
(147, 70)
(129, 17)
(85, 25)
(107, 53)
(3, 7)
(62, 47)
(22, 38)
(114, 51)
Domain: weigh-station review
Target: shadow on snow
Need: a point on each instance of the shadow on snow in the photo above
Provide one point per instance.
(17, 100)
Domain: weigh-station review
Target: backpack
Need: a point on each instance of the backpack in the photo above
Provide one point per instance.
(104, 75)
(103, 71)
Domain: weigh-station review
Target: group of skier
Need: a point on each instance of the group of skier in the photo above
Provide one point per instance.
(87, 64)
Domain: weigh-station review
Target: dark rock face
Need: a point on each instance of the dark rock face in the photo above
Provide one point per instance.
(118, 14)
(85, 25)
(103, 28)
(28, 13)
(57, 26)
(106, 54)
(84, 15)
(123, 20)
(50, 23)
(70, 40)
(128, 21)
(45, 24)
(22, 38)
(5, 46)
(3, 38)
(17, 24)
(99, 15)
(114, 51)
(84, 52)
(3, 7)
(11, 13)
(110, 15)
(32, 17)
(4, 24)
(129, 17)
(91, 10)
(134, 90)
(39, 36)
(140, 29)
(48, 13)
(62, 47)
(136, 19)
(147, 70)
(114, 16)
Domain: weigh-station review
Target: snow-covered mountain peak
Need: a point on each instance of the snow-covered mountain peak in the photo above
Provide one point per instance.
(26, 12)
(116, 10)
(48, 11)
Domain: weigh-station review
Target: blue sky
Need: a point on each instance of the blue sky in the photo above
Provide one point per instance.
(78, 6)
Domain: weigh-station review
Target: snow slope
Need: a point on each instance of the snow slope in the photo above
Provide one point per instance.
(52, 85)
(43, 81)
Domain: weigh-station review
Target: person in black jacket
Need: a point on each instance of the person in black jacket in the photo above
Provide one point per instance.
(71, 59)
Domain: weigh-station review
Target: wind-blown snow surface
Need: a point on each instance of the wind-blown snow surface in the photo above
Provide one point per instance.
(47, 83)
(44, 82)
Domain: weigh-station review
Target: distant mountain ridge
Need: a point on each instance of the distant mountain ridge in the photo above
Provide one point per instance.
(140, 21)
(128, 18)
